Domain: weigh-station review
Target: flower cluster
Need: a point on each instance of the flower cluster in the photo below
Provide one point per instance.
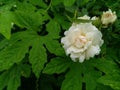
(83, 40)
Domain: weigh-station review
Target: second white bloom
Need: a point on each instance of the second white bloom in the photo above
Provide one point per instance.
(108, 17)
(82, 41)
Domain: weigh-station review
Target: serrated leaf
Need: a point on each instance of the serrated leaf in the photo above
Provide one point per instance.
(6, 5)
(30, 19)
(37, 56)
(80, 75)
(68, 2)
(106, 65)
(73, 79)
(6, 23)
(90, 79)
(15, 50)
(103, 87)
(25, 70)
(53, 29)
(14, 80)
(27, 20)
(11, 77)
(57, 49)
(57, 65)
(18, 46)
(12, 54)
(111, 72)
(4, 79)
(112, 80)
(62, 21)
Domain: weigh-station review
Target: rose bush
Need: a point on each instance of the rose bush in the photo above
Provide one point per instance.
(33, 58)
(82, 41)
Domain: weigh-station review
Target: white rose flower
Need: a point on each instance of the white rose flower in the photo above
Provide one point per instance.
(82, 41)
(108, 17)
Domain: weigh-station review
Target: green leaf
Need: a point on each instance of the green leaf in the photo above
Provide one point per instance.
(37, 2)
(6, 23)
(57, 50)
(69, 2)
(6, 18)
(15, 49)
(25, 70)
(18, 46)
(73, 79)
(30, 19)
(37, 56)
(106, 65)
(56, 2)
(57, 65)
(14, 80)
(12, 54)
(81, 76)
(53, 29)
(7, 1)
(4, 79)
(11, 77)
(90, 79)
(112, 80)
(103, 87)
(83, 2)
(111, 72)
(62, 21)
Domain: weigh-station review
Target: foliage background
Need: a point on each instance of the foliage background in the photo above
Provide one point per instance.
(32, 57)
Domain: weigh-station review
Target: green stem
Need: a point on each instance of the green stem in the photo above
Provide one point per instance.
(48, 7)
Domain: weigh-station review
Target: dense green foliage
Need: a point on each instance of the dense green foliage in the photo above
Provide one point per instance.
(32, 57)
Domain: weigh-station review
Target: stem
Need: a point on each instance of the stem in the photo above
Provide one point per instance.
(48, 7)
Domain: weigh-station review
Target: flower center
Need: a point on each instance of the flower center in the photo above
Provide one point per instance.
(108, 15)
(80, 41)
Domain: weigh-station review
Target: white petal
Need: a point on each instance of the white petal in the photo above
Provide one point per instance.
(92, 51)
(74, 56)
(82, 58)
(74, 50)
